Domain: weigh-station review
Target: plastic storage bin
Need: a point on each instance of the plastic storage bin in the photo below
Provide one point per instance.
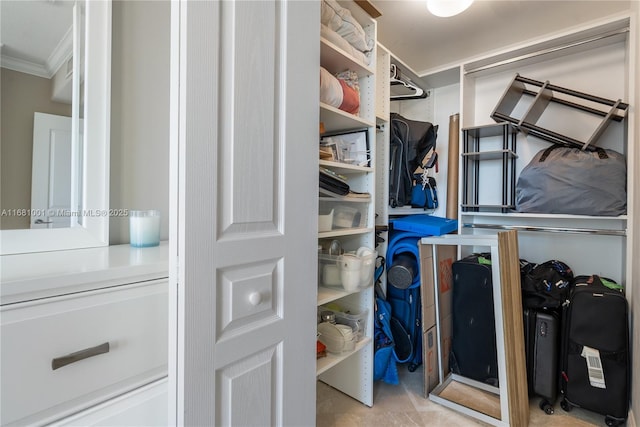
(325, 221)
(330, 271)
(357, 321)
(346, 214)
(337, 338)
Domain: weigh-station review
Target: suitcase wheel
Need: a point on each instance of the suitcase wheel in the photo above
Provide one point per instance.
(611, 421)
(412, 367)
(546, 406)
(564, 404)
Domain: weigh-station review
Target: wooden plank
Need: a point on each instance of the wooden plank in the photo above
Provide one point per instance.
(513, 328)
(474, 398)
(368, 7)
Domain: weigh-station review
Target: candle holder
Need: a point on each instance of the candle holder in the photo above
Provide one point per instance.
(144, 228)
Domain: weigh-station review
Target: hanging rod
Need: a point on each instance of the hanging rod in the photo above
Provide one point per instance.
(397, 79)
(419, 93)
(549, 229)
(548, 50)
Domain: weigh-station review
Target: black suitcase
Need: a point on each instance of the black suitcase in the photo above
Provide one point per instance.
(542, 349)
(473, 342)
(595, 350)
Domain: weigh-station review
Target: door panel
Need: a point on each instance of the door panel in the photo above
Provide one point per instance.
(250, 113)
(244, 160)
(256, 284)
(256, 373)
(51, 171)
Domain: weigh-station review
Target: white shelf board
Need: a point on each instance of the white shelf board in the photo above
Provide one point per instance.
(335, 60)
(345, 168)
(545, 216)
(336, 120)
(331, 360)
(345, 199)
(328, 294)
(545, 222)
(344, 232)
(382, 120)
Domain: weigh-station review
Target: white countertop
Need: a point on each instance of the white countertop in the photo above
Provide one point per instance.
(31, 276)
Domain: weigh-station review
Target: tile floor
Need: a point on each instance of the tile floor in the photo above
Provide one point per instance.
(404, 405)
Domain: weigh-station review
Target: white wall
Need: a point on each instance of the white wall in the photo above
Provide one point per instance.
(140, 112)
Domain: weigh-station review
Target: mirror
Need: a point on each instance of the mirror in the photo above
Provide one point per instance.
(69, 209)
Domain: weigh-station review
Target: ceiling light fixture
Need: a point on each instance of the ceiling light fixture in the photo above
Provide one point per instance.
(447, 8)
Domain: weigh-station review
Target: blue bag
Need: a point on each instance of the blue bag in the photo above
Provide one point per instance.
(406, 305)
(384, 363)
(384, 366)
(424, 194)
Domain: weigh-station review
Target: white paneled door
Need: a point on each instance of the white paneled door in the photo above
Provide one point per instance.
(243, 228)
(51, 171)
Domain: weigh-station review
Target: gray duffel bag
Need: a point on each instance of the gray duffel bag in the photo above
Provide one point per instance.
(564, 180)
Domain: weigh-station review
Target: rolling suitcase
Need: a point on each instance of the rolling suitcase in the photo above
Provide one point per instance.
(545, 287)
(542, 344)
(595, 350)
(473, 343)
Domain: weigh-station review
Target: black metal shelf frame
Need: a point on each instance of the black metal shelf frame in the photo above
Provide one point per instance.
(615, 110)
(472, 156)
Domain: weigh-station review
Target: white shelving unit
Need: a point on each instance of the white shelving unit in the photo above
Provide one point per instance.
(594, 59)
(383, 111)
(601, 68)
(351, 371)
(414, 109)
(588, 59)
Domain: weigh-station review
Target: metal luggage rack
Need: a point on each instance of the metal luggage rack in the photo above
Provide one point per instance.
(472, 156)
(527, 124)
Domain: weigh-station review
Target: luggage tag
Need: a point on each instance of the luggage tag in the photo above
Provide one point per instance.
(594, 366)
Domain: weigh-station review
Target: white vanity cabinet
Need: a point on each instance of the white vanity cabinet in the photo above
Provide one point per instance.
(83, 337)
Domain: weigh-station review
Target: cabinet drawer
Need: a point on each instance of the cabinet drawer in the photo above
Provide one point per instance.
(144, 406)
(126, 324)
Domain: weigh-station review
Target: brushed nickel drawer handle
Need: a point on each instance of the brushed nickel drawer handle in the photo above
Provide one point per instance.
(59, 362)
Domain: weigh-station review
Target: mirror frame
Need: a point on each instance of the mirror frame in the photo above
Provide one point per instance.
(94, 230)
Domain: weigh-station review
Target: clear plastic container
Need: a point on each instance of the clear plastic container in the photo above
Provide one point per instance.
(346, 214)
(357, 321)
